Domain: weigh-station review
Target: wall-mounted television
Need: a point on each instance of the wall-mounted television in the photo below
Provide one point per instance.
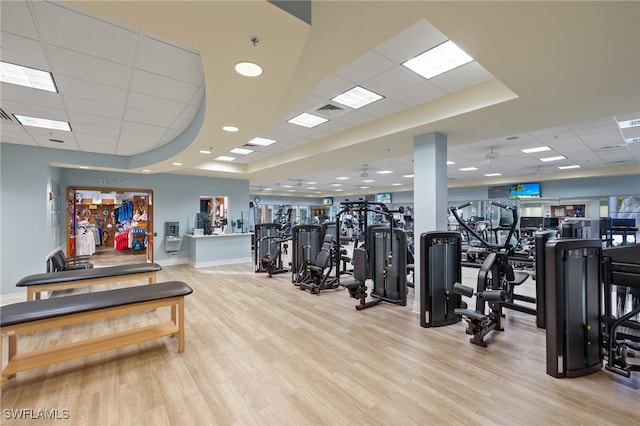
(383, 197)
(327, 201)
(524, 190)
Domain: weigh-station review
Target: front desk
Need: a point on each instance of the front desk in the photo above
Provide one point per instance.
(220, 249)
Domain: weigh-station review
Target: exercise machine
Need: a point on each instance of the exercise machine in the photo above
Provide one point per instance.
(496, 282)
(572, 274)
(268, 249)
(317, 274)
(441, 268)
(621, 317)
(306, 241)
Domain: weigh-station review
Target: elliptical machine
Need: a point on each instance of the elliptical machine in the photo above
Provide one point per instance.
(495, 284)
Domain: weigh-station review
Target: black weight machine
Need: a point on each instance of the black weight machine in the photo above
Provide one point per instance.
(382, 257)
(306, 241)
(317, 274)
(495, 284)
(268, 247)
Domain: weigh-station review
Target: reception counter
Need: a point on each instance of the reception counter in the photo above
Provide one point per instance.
(220, 249)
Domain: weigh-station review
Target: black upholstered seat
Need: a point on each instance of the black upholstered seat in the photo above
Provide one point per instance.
(22, 312)
(86, 274)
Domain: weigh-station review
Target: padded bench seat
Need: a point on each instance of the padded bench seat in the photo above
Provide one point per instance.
(50, 281)
(29, 317)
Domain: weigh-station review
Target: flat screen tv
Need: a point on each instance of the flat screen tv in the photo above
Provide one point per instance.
(524, 190)
(328, 201)
(383, 197)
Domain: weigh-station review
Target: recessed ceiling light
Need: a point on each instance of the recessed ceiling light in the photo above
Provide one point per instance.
(574, 166)
(536, 149)
(559, 157)
(440, 59)
(339, 190)
(311, 187)
(311, 183)
(84, 167)
(205, 151)
(287, 186)
(384, 172)
(230, 128)
(248, 69)
(261, 141)
(492, 174)
(365, 187)
(450, 163)
(291, 190)
(43, 123)
(268, 189)
(307, 120)
(336, 184)
(368, 181)
(27, 77)
(242, 151)
(396, 184)
(357, 97)
(177, 164)
(146, 171)
(468, 169)
(225, 158)
(629, 123)
(407, 176)
(342, 178)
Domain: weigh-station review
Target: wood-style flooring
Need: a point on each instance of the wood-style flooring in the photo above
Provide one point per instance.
(259, 351)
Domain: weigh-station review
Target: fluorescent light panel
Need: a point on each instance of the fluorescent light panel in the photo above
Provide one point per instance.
(574, 166)
(536, 149)
(468, 169)
(225, 158)
(242, 151)
(384, 172)
(357, 97)
(559, 157)
(44, 123)
(27, 77)
(440, 59)
(492, 174)
(629, 123)
(307, 120)
(261, 141)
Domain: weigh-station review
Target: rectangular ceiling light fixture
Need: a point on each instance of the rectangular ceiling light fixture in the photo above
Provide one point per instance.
(307, 120)
(43, 122)
(225, 158)
(536, 149)
(28, 77)
(442, 58)
(629, 123)
(261, 141)
(547, 159)
(574, 166)
(241, 151)
(357, 97)
(468, 169)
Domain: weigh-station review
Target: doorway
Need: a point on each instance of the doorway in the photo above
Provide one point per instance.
(111, 225)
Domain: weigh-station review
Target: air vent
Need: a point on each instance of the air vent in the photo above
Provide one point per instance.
(609, 147)
(329, 110)
(329, 107)
(56, 140)
(4, 115)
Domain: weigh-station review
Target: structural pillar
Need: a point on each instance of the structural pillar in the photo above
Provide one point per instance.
(429, 194)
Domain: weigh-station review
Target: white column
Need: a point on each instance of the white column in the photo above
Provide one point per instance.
(429, 193)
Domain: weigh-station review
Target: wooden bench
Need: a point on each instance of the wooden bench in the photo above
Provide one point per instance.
(62, 280)
(29, 317)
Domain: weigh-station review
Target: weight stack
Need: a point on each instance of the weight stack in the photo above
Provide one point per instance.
(572, 276)
(440, 269)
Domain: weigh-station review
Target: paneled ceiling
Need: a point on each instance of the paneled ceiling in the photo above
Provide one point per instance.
(155, 81)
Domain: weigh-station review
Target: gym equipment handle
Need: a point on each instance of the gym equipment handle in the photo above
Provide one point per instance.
(461, 206)
(462, 289)
(493, 295)
(500, 205)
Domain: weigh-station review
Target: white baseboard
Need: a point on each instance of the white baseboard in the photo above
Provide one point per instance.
(172, 261)
(8, 299)
(217, 262)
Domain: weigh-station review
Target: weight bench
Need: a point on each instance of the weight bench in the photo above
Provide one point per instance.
(29, 317)
(61, 280)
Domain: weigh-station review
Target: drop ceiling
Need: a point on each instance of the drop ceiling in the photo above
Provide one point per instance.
(134, 77)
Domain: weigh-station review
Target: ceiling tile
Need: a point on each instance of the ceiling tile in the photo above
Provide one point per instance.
(166, 59)
(16, 19)
(418, 95)
(392, 81)
(365, 67)
(411, 42)
(22, 51)
(462, 77)
(161, 86)
(77, 88)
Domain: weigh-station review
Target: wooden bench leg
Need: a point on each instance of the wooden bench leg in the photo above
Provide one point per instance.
(180, 324)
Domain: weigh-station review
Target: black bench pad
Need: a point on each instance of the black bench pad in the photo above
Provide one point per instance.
(473, 315)
(87, 274)
(22, 312)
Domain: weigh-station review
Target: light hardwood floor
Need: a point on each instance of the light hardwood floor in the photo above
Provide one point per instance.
(259, 351)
